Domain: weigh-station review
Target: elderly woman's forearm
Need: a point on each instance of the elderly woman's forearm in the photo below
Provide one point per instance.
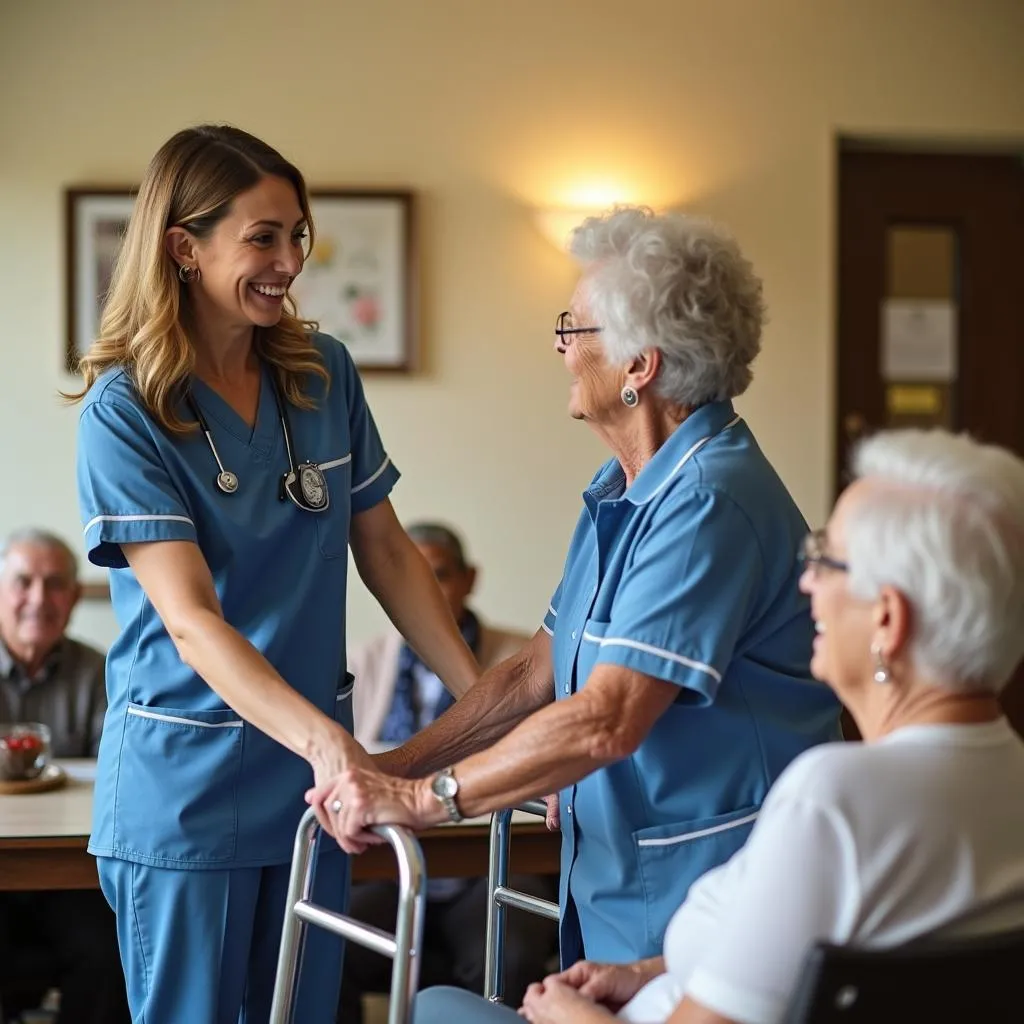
(563, 743)
(506, 694)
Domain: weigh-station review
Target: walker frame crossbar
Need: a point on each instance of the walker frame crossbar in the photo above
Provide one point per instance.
(501, 896)
(404, 947)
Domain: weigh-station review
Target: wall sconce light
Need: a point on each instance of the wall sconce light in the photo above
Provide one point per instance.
(556, 223)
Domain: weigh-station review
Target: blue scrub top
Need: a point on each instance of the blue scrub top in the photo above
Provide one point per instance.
(182, 782)
(689, 575)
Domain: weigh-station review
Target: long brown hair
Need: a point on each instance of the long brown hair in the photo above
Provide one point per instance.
(191, 182)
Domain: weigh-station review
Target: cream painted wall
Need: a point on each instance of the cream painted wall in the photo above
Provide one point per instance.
(488, 110)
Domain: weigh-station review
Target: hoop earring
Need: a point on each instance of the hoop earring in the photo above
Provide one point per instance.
(882, 676)
(189, 274)
(630, 397)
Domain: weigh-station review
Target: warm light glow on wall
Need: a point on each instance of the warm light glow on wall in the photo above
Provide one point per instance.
(575, 204)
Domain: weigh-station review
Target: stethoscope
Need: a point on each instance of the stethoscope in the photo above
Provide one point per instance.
(304, 484)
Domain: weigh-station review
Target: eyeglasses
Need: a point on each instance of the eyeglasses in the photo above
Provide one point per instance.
(566, 329)
(813, 553)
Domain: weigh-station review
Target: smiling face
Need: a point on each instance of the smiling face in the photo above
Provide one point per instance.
(249, 259)
(594, 394)
(38, 592)
(844, 623)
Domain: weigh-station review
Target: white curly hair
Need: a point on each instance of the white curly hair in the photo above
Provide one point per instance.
(679, 284)
(947, 531)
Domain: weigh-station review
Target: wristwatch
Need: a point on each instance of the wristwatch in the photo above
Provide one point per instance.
(446, 787)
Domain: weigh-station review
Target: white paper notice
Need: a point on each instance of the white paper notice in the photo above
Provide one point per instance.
(919, 340)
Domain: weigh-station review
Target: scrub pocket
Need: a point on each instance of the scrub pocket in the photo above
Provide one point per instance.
(332, 525)
(672, 857)
(343, 703)
(177, 785)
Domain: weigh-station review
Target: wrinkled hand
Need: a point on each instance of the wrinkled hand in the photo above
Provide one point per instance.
(368, 797)
(611, 985)
(553, 819)
(553, 1002)
(330, 759)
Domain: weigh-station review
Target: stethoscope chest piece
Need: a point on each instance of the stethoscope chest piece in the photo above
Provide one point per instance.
(306, 487)
(227, 481)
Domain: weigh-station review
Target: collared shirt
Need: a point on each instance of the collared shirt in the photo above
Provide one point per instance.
(689, 575)
(67, 694)
(182, 781)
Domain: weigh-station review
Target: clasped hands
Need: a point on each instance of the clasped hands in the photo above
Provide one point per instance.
(350, 801)
(585, 992)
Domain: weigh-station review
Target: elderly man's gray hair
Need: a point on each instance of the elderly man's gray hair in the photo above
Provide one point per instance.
(40, 538)
(947, 531)
(440, 536)
(678, 284)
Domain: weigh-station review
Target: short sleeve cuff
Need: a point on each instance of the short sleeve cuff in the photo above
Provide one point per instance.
(734, 1002)
(548, 625)
(375, 488)
(104, 534)
(688, 673)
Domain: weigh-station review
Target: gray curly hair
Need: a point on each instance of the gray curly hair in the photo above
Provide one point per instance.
(678, 284)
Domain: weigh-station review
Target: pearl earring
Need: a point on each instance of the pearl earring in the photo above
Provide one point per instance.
(630, 397)
(882, 675)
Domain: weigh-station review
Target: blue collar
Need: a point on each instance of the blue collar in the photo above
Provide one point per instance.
(697, 429)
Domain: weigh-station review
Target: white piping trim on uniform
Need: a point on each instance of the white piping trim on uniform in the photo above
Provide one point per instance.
(335, 462)
(366, 483)
(547, 629)
(140, 713)
(552, 610)
(135, 519)
(700, 833)
(619, 641)
(686, 458)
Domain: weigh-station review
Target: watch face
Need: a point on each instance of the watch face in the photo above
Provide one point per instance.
(445, 786)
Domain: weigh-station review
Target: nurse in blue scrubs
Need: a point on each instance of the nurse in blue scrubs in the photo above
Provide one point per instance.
(670, 683)
(227, 463)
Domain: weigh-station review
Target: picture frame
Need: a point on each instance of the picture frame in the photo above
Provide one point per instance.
(359, 280)
(95, 219)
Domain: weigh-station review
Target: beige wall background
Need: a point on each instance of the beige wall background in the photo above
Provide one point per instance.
(489, 111)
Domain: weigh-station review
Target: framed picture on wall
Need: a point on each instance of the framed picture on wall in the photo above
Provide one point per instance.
(95, 223)
(358, 282)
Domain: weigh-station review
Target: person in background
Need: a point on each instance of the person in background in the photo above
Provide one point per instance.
(395, 696)
(917, 593)
(47, 677)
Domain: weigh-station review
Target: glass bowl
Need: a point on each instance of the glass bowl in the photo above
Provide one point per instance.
(24, 750)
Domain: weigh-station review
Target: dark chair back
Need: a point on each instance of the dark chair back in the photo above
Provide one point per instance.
(969, 980)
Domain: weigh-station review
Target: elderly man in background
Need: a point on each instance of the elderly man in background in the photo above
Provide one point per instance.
(395, 695)
(47, 677)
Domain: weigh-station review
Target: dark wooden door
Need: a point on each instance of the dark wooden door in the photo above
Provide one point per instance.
(931, 301)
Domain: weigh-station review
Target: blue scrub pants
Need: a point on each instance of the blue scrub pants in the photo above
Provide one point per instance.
(200, 947)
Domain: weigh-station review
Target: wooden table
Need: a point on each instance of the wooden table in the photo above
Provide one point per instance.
(43, 839)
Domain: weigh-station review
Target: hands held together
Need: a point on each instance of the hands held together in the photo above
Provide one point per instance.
(352, 797)
(586, 992)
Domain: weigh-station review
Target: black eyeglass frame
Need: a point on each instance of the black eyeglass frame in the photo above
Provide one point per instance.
(812, 552)
(562, 331)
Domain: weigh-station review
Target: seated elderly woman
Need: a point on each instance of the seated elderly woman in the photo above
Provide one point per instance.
(670, 683)
(917, 591)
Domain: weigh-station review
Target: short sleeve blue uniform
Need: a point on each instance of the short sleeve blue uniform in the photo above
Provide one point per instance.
(183, 784)
(689, 575)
